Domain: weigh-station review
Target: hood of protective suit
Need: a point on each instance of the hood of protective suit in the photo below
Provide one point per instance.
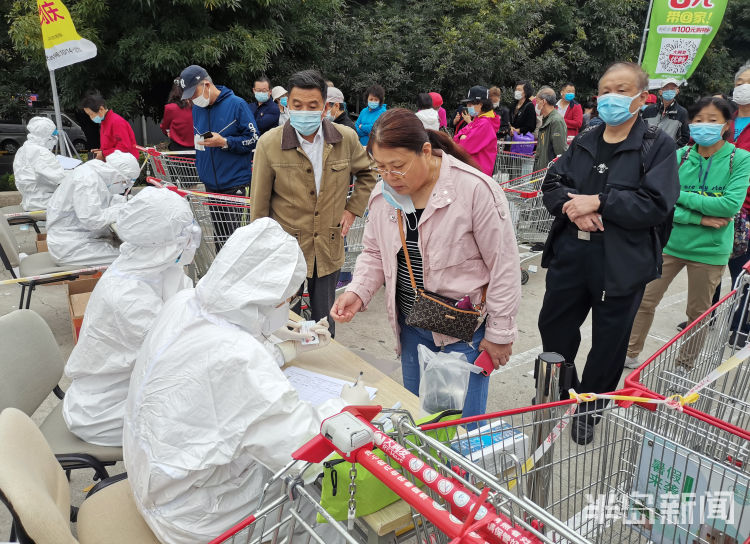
(157, 230)
(40, 132)
(125, 171)
(259, 267)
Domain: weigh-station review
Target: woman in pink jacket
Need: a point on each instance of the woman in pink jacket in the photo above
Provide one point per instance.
(479, 136)
(459, 238)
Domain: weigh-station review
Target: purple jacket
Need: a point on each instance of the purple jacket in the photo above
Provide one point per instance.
(467, 241)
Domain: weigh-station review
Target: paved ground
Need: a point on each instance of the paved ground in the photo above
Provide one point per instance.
(370, 336)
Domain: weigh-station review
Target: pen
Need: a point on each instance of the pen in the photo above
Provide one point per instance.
(358, 377)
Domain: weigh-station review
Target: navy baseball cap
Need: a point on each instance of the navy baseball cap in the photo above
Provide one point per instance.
(476, 93)
(189, 79)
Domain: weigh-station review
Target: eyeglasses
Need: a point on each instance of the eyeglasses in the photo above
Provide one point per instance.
(292, 301)
(396, 173)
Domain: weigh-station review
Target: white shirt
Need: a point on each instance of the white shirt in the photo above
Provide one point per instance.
(561, 109)
(314, 152)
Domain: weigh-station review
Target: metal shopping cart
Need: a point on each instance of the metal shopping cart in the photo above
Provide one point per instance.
(353, 243)
(284, 514)
(511, 164)
(174, 167)
(531, 220)
(705, 357)
(652, 473)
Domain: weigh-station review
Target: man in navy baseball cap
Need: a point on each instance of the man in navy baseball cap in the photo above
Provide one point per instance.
(190, 78)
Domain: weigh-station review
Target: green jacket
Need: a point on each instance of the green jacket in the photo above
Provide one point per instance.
(552, 139)
(719, 195)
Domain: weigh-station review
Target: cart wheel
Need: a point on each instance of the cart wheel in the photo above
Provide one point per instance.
(524, 277)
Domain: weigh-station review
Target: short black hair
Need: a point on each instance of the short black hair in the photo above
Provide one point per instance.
(528, 90)
(93, 101)
(486, 104)
(424, 101)
(568, 84)
(309, 79)
(722, 105)
(641, 76)
(376, 91)
(262, 79)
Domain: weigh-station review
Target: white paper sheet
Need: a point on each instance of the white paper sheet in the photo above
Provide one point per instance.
(317, 388)
(68, 163)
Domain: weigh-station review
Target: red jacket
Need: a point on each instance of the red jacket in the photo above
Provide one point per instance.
(573, 118)
(179, 122)
(743, 142)
(115, 134)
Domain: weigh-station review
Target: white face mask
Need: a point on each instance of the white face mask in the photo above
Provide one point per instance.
(275, 319)
(51, 142)
(538, 109)
(203, 101)
(518, 95)
(495, 104)
(741, 94)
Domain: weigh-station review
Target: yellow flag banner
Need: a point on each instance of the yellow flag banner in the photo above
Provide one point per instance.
(62, 44)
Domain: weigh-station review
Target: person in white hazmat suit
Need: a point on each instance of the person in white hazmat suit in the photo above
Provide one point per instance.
(159, 237)
(210, 415)
(84, 206)
(36, 170)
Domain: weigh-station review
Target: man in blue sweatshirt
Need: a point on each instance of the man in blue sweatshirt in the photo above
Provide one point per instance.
(225, 138)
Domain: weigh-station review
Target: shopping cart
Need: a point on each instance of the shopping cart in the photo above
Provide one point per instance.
(705, 357)
(506, 482)
(510, 164)
(284, 514)
(353, 243)
(531, 220)
(174, 167)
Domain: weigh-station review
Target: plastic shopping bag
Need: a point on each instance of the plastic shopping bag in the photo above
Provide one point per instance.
(444, 379)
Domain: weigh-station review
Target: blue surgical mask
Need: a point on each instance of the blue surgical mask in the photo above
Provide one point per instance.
(261, 97)
(669, 95)
(570, 96)
(98, 119)
(472, 111)
(614, 109)
(55, 133)
(706, 133)
(284, 100)
(643, 108)
(305, 122)
(373, 105)
(400, 202)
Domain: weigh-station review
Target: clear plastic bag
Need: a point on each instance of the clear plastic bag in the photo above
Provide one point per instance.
(444, 379)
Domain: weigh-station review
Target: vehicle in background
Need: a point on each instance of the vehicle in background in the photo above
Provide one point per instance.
(13, 132)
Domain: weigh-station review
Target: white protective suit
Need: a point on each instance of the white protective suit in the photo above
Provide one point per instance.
(210, 413)
(159, 237)
(36, 169)
(84, 206)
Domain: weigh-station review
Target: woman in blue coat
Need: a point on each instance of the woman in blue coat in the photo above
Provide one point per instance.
(370, 114)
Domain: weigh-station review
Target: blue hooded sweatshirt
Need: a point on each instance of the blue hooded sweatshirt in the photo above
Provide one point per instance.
(229, 116)
(366, 120)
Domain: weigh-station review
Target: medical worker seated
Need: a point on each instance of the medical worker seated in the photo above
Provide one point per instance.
(84, 206)
(36, 170)
(159, 237)
(210, 414)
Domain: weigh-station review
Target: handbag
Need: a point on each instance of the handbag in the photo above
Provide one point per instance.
(741, 233)
(437, 313)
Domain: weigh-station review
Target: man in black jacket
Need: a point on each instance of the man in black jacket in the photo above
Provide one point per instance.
(669, 115)
(609, 193)
(337, 108)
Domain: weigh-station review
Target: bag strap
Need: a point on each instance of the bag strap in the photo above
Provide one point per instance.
(685, 156)
(408, 260)
(406, 251)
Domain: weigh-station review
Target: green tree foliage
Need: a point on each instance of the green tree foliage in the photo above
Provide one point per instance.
(406, 46)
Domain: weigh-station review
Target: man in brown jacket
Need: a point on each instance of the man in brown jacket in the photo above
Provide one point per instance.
(301, 178)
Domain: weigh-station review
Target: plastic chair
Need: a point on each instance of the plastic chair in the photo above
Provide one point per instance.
(30, 368)
(33, 265)
(36, 491)
(28, 219)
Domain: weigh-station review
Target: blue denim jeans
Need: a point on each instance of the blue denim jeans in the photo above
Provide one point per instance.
(411, 337)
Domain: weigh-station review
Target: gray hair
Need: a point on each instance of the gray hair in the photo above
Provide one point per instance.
(744, 68)
(547, 94)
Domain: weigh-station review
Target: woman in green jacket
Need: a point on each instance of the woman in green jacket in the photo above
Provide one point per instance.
(714, 178)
